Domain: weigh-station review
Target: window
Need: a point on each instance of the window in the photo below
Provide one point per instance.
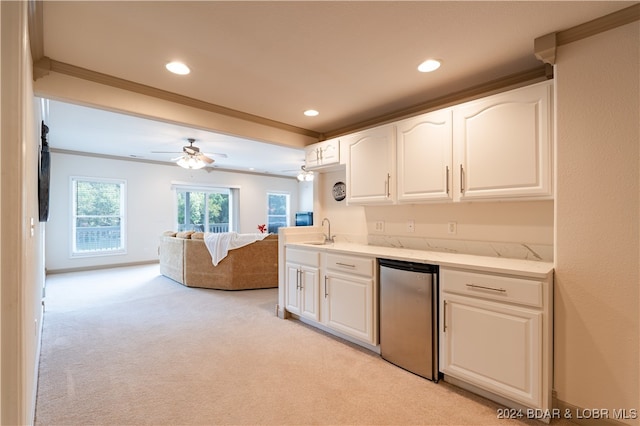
(98, 216)
(206, 209)
(277, 211)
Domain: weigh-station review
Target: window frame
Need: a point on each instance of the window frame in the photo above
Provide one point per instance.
(287, 208)
(73, 250)
(232, 191)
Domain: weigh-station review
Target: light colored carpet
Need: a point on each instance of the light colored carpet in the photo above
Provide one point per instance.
(127, 346)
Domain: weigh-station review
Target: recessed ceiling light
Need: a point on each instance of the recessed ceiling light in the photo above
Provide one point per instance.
(178, 68)
(429, 65)
(311, 113)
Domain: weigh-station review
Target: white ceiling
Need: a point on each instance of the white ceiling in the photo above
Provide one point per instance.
(352, 61)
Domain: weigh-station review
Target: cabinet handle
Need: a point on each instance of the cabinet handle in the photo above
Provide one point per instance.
(461, 179)
(481, 287)
(299, 279)
(325, 287)
(345, 264)
(447, 179)
(388, 185)
(444, 315)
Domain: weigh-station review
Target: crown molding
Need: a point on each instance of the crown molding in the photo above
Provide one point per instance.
(545, 46)
(207, 169)
(512, 81)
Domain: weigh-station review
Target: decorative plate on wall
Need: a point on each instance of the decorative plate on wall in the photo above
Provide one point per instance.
(339, 191)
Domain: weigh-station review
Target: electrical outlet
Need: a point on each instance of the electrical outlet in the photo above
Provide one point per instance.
(380, 226)
(452, 228)
(411, 226)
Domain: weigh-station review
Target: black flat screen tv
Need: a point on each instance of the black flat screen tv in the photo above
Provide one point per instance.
(304, 218)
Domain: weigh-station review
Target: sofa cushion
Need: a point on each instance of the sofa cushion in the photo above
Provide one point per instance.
(184, 234)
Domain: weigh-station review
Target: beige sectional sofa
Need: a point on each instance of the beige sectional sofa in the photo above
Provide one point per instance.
(184, 257)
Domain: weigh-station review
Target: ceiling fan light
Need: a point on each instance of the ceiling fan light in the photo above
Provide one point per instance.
(304, 175)
(190, 162)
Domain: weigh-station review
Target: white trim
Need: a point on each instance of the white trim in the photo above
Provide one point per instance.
(200, 186)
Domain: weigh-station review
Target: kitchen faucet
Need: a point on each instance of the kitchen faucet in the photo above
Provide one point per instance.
(328, 238)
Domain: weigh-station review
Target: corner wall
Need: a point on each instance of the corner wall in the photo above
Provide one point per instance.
(597, 219)
(21, 274)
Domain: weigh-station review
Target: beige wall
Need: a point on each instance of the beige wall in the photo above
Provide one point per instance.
(346, 221)
(529, 222)
(597, 217)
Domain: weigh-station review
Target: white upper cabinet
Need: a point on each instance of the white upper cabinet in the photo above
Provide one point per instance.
(425, 154)
(322, 154)
(371, 166)
(495, 148)
(503, 145)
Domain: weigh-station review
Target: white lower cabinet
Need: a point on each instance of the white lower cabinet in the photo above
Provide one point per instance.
(350, 297)
(303, 283)
(349, 301)
(344, 300)
(495, 334)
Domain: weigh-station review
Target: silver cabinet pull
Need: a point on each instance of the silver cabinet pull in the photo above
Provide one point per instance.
(461, 179)
(388, 185)
(325, 287)
(298, 273)
(345, 264)
(444, 314)
(481, 287)
(447, 179)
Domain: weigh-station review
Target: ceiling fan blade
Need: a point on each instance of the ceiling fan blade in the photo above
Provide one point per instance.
(166, 152)
(205, 158)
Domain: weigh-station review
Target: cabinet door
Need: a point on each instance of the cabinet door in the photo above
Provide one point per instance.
(309, 293)
(322, 154)
(330, 152)
(425, 153)
(494, 346)
(292, 288)
(503, 145)
(371, 167)
(349, 306)
(312, 156)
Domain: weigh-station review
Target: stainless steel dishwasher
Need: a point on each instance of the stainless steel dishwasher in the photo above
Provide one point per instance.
(408, 316)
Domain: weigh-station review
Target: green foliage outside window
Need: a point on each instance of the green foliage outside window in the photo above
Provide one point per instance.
(195, 207)
(98, 216)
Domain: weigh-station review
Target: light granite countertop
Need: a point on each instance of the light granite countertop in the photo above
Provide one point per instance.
(501, 265)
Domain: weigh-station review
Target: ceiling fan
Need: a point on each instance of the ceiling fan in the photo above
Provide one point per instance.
(303, 175)
(191, 157)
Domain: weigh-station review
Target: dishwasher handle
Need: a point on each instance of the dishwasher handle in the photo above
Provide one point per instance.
(408, 266)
